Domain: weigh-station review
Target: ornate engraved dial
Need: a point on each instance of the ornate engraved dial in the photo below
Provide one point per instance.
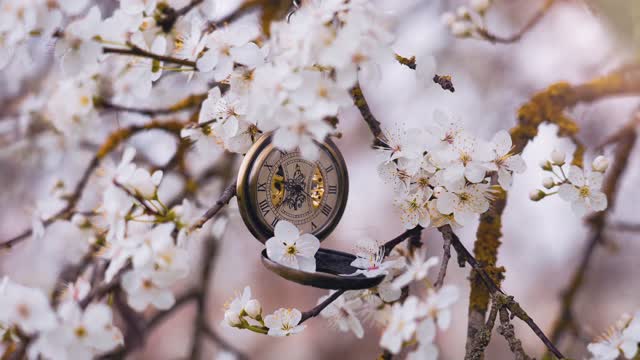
(275, 185)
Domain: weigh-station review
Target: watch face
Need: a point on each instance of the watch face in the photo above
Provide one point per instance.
(276, 185)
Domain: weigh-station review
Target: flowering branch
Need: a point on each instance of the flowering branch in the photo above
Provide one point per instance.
(598, 224)
(112, 141)
(545, 106)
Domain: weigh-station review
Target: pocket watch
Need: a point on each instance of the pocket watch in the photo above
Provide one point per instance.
(276, 185)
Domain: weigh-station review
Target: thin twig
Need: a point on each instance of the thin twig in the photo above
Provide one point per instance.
(483, 336)
(67, 212)
(171, 15)
(533, 21)
(389, 245)
(507, 330)
(224, 199)
(244, 9)
(446, 255)
(190, 101)
(138, 52)
(318, 308)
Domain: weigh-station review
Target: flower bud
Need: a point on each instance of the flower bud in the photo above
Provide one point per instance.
(545, 165)
(232, 318)
(557, 157)
(548, 182)
(253, 308)
(537, 195)
(600, 164)
(480, 6)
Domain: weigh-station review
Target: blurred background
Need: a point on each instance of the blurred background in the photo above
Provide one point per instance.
(542, 241)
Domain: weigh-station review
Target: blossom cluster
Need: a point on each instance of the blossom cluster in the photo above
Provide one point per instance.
(442, 174)
(243, 312)
(402, 320)
(578, 186)
(145, 240)
(306, 67)
(622, 338)
(466, 21)
(68, 332)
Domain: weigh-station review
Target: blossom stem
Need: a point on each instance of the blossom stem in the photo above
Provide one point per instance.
(318, 309)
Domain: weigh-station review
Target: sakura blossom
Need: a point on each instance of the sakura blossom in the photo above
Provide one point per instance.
(292, 249)
(284, 322)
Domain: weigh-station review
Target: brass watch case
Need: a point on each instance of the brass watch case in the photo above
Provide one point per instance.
(248, 180)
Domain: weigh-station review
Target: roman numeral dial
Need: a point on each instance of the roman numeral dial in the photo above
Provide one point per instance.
(284, 186)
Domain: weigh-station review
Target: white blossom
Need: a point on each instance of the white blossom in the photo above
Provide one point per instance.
(80, 334)
(505, 162)
(623, 337)
(402, 324)
(28, 308)
(583, 191)
(284, 322)
(288, 247)
(77, 49)
(417, 270)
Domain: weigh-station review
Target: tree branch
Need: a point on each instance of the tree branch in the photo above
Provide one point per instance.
(493, 288)
(374, 125)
